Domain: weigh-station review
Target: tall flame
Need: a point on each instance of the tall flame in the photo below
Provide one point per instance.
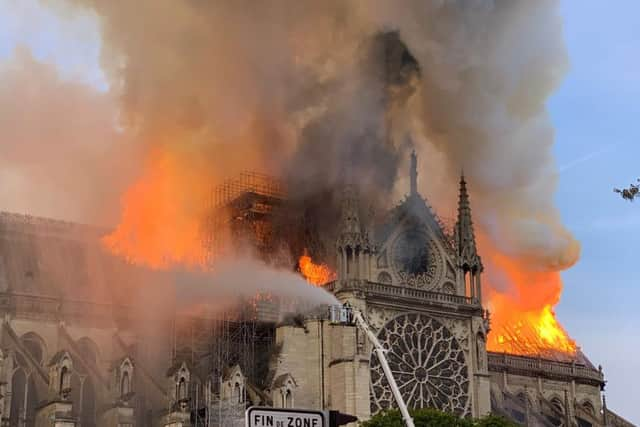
(522, 319)
(316, 274)
(160, 226)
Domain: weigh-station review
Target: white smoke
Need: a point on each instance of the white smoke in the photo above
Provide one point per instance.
(293, 88)
(245, 276)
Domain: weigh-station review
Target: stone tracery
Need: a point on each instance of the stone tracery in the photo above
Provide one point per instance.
(417, 259)
(427, 362)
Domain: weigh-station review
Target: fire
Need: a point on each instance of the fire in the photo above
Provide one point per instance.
(522, 317)
(161, 224)
(316, 274)
(161, 216)
(533, 333)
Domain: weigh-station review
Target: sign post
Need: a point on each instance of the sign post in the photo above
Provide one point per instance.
(278, 417)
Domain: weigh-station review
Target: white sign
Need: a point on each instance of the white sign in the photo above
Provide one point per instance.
(276, 417)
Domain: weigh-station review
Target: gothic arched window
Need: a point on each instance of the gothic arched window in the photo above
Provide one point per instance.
(125, 386)
(588, 406)
(65, 379)
(237, 392)
(557, 403)
(182, 389)
(288, 399)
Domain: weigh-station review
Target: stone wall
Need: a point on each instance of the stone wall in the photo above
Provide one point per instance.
(330, 368)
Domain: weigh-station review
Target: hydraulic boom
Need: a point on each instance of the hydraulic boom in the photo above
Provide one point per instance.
(380, 352)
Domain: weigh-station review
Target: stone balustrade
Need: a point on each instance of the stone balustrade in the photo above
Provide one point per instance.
(382, 289)
(56, 309)
(537, 366)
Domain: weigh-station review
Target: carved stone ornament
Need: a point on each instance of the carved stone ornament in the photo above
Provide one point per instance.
(427, 363)
(416, 259)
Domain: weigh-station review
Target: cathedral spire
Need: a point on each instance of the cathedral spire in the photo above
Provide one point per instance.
(414, 174)
(465, 237)
(469, 262)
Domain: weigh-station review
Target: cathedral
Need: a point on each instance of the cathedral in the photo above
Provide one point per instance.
(74, 354)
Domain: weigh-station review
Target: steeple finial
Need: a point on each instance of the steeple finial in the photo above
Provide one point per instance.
(465, 238)
(463, 200)
(350, 216)
(414, 174)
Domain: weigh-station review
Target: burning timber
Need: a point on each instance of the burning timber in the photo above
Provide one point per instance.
(89, 338)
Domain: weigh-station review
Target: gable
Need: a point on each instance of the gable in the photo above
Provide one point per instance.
(413, 249)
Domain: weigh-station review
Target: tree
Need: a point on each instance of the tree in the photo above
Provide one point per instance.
(493, 421)
(434, 418)
(629, 193)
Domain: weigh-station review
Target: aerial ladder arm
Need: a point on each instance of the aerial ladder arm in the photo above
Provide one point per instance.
(380, 353)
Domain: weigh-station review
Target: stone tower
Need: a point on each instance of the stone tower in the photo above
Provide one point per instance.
(354, 249)
(420, 288)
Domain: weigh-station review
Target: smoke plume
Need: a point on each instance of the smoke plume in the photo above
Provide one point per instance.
(320, 93)
(61, 155)
(298, 87)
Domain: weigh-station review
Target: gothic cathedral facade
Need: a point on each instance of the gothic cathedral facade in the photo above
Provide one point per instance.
(421, 291)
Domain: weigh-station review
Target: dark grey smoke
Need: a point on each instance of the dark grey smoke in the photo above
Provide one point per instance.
(363, 149)
(320, 92)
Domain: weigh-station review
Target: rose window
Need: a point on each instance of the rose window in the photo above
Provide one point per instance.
(427, 364)
(416, 259)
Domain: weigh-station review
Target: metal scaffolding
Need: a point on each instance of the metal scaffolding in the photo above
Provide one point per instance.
(241, 213)
(240, 210)
(211, 345)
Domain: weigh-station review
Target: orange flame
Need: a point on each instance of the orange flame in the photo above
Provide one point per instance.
(532, 333)
(161, 217)
(522, 317)
(161, 227)
(316, 274)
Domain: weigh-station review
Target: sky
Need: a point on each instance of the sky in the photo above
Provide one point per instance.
(71, 43)
(596, 116)
(595, 113)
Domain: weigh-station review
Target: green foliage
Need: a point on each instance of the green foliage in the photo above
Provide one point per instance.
(493, 421)
(434, 418)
